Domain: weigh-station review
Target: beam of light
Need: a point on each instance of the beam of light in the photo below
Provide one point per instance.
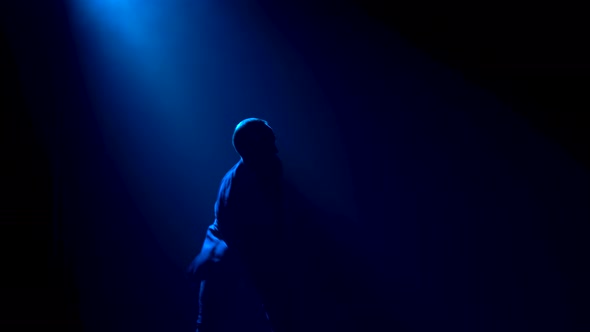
(141, 61)
(169, 80)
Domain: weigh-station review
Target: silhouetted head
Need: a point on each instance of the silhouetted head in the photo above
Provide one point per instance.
(254, 140)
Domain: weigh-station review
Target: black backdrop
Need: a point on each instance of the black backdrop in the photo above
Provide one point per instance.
(472, 178)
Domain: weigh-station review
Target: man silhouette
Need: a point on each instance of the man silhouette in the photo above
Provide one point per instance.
(242, 261)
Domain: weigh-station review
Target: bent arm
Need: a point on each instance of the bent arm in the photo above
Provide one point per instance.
(211, 253)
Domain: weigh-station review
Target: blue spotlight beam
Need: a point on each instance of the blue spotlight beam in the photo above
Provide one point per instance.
(171, 78)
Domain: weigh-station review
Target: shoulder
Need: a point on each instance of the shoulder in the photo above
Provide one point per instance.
(234, 172)
(229, 179)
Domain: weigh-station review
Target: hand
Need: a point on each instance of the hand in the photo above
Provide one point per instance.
(196, 269)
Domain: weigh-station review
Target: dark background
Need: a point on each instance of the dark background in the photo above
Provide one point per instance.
(464, 132)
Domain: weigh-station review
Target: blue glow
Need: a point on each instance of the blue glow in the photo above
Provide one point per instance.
(151, 108)
(442, 227)
(169, 82)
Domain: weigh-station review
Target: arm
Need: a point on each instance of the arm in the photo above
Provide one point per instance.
(211, 253)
